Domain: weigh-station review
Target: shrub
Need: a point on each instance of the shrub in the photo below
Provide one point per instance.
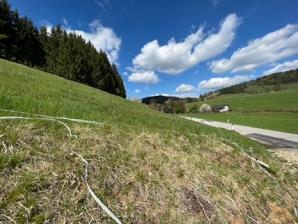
(205, 108)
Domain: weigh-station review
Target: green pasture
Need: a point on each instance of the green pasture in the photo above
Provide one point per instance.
(270, 101)
(284, 122)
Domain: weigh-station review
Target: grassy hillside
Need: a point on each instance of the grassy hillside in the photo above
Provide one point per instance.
(270, 101)
(145, 166)
(284, 122)
(271, 110)
(268, 88)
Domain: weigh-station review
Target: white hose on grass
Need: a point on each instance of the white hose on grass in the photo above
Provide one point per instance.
(48, 118)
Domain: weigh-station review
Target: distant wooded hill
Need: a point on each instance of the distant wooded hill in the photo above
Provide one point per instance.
(275, 80)
(159, 99)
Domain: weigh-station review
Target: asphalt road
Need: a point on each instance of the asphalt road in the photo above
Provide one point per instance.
(276, 138)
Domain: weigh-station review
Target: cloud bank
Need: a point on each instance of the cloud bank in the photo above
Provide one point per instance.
(282, 67)
(176, 57)
(217, 83)
(148, 77)
(184, 88)
(269, 48)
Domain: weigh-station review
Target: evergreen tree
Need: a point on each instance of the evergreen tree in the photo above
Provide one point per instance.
(79, 65)
(15, 36)
(106, 81)
(120, 89)
(43, 40)
(63, 60)
(89, 53)
(29, 49)
(53, 48)
(6, 29)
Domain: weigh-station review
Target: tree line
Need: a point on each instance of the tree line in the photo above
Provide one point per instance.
(65, 54)
(274, 80)
(169, 106)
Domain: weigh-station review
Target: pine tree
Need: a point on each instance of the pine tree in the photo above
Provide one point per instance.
(6, 29)
(43, 40)
(120, 89)
(62, 60)
(78, 64)
(89, 52)
(29, 49)
(104, 73)
(53, 48)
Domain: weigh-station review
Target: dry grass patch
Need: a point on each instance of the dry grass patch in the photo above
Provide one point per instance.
(142, 177)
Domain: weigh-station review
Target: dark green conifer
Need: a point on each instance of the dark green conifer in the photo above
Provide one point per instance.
(120, 89)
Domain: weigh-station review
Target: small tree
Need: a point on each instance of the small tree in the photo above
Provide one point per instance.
(277, 87)
(205, 108)
(166, 109)
(194, 108)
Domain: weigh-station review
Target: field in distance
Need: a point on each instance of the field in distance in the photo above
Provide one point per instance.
(269, 110)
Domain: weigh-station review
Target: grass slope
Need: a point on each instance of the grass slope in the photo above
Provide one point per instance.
(271, 110)
(281, 101)
(284, 122)
(147, 167)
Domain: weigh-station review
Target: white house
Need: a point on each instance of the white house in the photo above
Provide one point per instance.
(220, 108)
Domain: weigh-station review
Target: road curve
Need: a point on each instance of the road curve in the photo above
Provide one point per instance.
(272, 137)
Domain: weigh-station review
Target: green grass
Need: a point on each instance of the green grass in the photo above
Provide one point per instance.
(268, 88)
(271, 110)
(271, 102)
(285, 122)
(144, 165)
(32, 91)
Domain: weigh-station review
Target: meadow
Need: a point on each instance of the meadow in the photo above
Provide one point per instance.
(145, 166)
(284, 122)
(269, 110)
(280, 101)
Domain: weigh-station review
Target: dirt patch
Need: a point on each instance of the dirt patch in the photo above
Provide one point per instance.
(287, 154)
(278, 215)
(192, 203)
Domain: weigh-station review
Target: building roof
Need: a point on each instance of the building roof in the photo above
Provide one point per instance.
(219, 106)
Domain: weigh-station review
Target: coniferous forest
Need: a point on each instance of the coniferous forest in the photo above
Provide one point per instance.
(65, 54)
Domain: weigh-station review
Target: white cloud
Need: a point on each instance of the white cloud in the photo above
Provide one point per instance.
(103, 3)
(137, 91)
(183, 88)
(176, 57)
(125, 73)
(144, 76)
(185, 95)
(217, 83)
(65, 22)
(269, 48)
(215, 2)
(102, 38)
(282, 67)
(47, 24)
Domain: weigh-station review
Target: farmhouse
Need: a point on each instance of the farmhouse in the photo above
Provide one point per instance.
(220, 108)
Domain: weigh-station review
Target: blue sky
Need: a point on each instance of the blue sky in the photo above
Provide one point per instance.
(180, 47)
